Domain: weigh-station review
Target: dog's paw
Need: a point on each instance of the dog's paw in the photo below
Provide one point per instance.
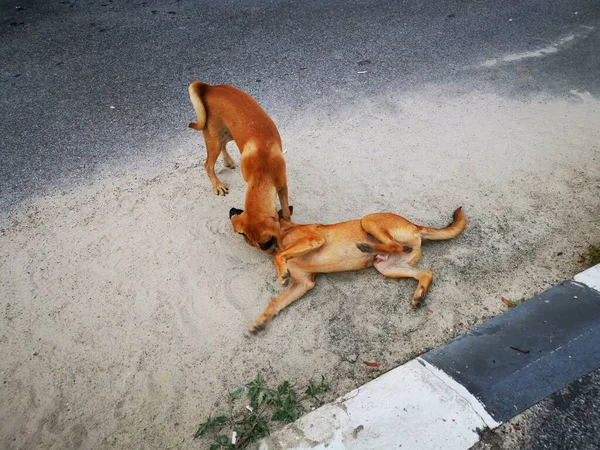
(220, 189)
(283, 279)
(365, 248)
(417, 301)
(256, 327)
(229, 164)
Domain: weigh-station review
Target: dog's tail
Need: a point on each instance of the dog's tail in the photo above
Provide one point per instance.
(196, 91)
(451, 231)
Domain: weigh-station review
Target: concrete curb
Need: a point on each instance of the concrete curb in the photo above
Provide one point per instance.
(478, 380)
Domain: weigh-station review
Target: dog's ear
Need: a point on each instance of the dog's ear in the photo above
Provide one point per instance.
(237, 221)
(235, 212)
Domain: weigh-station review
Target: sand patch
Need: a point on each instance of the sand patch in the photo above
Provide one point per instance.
(125, 302)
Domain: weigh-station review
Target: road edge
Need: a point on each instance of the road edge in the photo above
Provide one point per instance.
(446, 397)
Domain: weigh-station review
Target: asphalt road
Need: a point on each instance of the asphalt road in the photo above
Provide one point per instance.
(567, 420)
(90, 85)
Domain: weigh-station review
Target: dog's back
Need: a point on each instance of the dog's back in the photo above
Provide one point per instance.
(224, 109)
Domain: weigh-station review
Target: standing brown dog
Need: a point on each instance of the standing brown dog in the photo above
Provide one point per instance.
(386, 241)
(225, 114)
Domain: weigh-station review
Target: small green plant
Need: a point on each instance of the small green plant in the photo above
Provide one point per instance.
(593, 255)
(250, 429)
(258, 391)
(264, 405)
(237, 394)
(288, 408)
(314, 389)
(221, 442)
(512, 303)
(516, 302)
(210, 423)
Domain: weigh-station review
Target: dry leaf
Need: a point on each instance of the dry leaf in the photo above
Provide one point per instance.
(370, 364)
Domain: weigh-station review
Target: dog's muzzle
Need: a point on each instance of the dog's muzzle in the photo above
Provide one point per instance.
(267, 245)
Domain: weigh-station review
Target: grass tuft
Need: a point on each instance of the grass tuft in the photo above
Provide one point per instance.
(264, 405)
(593, 255)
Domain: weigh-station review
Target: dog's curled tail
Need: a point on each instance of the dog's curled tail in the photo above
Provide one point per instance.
(196, 90)
(451, 231)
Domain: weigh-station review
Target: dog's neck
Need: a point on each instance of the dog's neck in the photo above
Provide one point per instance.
(286, 226)
(261, 198)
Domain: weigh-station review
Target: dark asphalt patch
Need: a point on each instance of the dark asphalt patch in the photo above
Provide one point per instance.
(531, 351)
(140, 58)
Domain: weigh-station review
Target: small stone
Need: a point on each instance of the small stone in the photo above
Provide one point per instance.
(352, 358)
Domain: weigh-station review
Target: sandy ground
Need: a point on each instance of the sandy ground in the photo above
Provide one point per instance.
(125, 300)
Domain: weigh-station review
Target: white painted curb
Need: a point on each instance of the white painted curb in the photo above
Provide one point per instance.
(590, 277)
(414, 406)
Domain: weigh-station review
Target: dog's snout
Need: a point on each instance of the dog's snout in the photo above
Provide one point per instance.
(267, 245)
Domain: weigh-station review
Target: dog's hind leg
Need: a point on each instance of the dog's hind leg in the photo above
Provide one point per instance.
(412, 253)
(214, 145)
(374, 228)
(424, 277)
(381, 227)
(227, 159)
(299, 286)
(392, 247)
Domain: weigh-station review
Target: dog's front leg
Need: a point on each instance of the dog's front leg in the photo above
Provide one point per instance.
(309, 243)
(286, 209)
(298, 287)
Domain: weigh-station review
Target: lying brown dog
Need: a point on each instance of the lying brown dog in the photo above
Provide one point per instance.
(225, 114)
(386, 241)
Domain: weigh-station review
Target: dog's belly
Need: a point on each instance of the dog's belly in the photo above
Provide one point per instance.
(389, 260)
(341, 259)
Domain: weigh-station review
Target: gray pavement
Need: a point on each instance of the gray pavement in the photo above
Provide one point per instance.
(85, 83)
